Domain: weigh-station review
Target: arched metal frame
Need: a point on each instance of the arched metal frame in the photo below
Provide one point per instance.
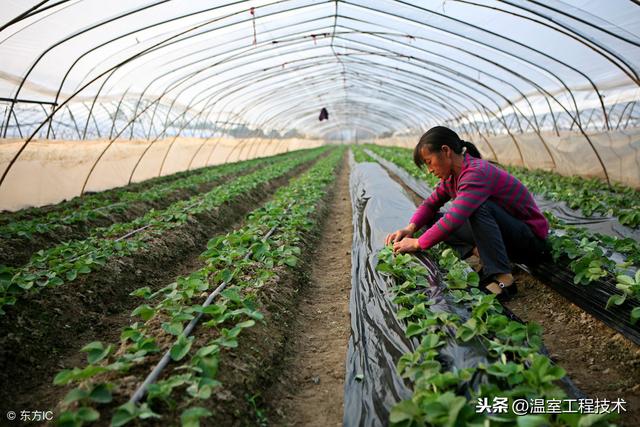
(437, 92)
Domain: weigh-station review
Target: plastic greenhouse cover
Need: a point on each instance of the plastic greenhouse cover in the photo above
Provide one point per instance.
(377, 339)
(295, 56)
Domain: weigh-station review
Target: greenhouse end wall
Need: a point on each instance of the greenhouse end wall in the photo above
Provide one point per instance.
(571, 152)
(50, 171)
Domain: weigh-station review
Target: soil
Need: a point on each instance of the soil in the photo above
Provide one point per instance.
(17, 251)
(271, 362)
(311, 393)
(43, 332)
(600, 361)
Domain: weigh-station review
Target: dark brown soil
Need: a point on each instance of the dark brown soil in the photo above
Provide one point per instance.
(601, 362)
(262, 357)
(311, 393)
(17, 251)
(43, 333)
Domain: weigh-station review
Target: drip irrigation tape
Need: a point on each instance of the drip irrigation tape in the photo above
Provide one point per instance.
(166, 358)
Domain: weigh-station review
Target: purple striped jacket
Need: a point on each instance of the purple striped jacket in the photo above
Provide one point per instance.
(478, 181)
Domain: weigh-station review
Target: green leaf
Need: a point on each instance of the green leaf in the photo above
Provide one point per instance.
(68, 375)
(124, 414)
(101, 394)
(232, 295)
(96, 351)
(625, 280)
(532, 421)
(594, 419)
(615, 299)
(87, 414)
(181, 347)
(246, 324)
(405, 411)
(191, 417)
(142, 292)
(291, 261)
(414, 329)
(173, 328)
(635, 315)
(144, 311)
(431, 341)
(63, 377)
(71, 275)
(75, 395)
(55, 281)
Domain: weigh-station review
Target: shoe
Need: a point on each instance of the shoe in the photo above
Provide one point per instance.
(507, 291)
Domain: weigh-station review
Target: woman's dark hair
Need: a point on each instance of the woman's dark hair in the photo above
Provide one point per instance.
(438, 136)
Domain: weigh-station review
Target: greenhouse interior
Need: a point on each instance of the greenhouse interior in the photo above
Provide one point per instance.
(320, 213)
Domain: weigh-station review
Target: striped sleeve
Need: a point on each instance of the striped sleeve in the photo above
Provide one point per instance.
(473, 190)
(430, 206)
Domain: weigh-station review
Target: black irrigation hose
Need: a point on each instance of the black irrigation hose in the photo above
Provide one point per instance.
(166, 358)
(591, 298)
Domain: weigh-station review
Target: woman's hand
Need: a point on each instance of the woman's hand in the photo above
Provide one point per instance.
(398, 235)
(406, 245)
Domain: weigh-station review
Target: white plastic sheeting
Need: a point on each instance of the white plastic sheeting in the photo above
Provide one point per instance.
(155, 69)
(378, 65)
(53, 171)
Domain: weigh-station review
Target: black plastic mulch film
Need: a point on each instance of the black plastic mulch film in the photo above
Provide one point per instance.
(591, 298)
(377, 340)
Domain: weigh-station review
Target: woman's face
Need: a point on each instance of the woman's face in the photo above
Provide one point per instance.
(438, 162)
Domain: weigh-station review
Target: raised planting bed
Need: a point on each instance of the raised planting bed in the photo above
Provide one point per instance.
(250, 277)
(42, 330)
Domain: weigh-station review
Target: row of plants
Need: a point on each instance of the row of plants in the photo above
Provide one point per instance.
(403, 157)
(588, 253)
(359, 155)
(590, 260)
(94, 208)
(588, 195)
(514, 368)
(246, 261)
(65, 262)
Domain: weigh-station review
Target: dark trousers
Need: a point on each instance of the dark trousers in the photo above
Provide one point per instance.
(500, 238)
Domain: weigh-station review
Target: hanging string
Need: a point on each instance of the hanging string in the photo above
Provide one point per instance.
(313, 36)
(252, 11)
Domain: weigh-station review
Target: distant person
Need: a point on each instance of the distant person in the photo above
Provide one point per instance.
(492, 214)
